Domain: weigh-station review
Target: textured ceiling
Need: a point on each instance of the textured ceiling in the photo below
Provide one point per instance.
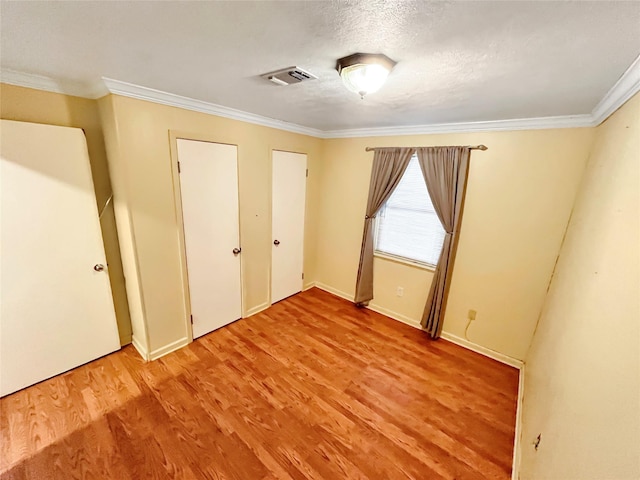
(457, 61)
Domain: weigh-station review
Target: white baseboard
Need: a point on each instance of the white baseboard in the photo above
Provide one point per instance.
(517, 441)
(487, 352)
(334, 291)
(308, 286)
(395, 316)
(376, 308)
(257, 309)
(141, 350)
(172, 347)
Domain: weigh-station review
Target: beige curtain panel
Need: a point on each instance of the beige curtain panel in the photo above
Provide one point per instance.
(445, 171)
(389, 165)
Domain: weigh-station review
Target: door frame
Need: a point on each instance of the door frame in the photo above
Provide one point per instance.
(304, 227)
(174, 136)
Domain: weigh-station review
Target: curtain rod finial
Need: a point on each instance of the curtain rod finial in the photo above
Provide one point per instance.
(483, 147)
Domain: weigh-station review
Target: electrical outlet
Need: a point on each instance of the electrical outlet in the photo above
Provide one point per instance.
(400, 291)
(472, 315)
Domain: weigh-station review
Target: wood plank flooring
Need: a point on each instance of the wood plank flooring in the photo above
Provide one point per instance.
(311, 388)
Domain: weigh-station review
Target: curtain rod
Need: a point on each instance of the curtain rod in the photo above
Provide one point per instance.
(470, 147)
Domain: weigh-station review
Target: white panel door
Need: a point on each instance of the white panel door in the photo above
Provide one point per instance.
(289, 184)
(210, 213)
(56, 309)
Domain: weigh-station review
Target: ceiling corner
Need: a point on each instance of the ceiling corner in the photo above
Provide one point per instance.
(625, 88)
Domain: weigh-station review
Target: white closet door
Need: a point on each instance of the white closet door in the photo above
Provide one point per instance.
(56, 309)
(210, 212)
(288, 196)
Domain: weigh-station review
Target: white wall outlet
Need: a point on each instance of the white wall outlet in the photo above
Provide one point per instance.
(400, 291)
(472, 315)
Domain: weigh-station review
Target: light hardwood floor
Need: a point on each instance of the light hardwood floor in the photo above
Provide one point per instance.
(311, 388)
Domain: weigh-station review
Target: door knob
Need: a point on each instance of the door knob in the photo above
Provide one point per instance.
(98, 267)
(236, 251)
(276, 242)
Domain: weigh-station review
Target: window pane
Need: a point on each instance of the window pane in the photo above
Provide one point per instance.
(408, 225)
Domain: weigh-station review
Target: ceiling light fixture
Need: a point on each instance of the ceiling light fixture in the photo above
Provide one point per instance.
(364, 73)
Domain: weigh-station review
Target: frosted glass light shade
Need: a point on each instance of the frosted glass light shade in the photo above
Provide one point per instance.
(364, 73)
(364, 79)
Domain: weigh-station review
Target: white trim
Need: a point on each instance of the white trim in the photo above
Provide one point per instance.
(164, 98)
(376, 308)
(565, 121)
(308, 286)
(257, 309)
(149, 94)
(487, 352)
(517, 440)
(395, 316)
(171, 347)
(625, 88)
(48, 84)
(32, 81)
(141, 350)
(404, 260)
(334, 291)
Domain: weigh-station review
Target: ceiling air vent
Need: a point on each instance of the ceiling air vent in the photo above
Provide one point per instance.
(288, 76)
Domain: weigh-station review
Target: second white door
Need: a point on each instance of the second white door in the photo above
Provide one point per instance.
(288, 197)
(210, 213)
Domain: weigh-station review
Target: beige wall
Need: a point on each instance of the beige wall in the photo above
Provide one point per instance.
(583, 369)
(28, 105)
(519, 197)
(582, 390)
(138, 135)
(118, 175)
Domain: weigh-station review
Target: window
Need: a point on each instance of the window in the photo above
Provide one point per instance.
(407, 225)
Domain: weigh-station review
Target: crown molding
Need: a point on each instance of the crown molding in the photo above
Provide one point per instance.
(566, 121)
(149, 94)
(625, 88)
(48, 84)
(98, 90)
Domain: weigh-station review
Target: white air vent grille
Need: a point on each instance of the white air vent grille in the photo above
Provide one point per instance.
(289, 76)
